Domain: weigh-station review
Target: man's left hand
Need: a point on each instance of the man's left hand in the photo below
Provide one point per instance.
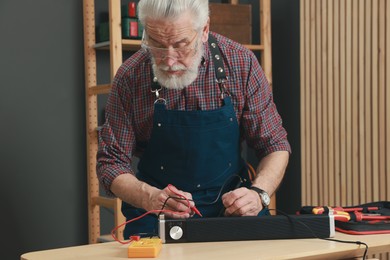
(242, 202)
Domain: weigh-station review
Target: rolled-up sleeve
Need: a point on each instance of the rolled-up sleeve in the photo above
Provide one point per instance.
(116, 137)
(261, 121)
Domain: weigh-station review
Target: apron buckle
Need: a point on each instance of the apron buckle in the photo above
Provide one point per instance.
(221, 83)
(160, 101)
(157, 92)
(156, 87)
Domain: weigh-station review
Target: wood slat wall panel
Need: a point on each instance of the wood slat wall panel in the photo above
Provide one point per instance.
(345, 101)
(324, 83)
(336, 98)
(312, 108)
(367, 94)
(317, 102)
(382, 99)
(362, 119)
(342, 89)
(330, 117)
(354, 103)
(387, 90)
(374, 102)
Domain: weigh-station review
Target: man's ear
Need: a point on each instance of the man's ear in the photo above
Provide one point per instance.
(206, 30)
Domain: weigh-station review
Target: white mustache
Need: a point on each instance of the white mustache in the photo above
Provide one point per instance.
(176, 67)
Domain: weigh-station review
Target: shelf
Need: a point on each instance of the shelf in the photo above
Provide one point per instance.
(254, 47)
(127, 45)
(99, 89)
(103, 201)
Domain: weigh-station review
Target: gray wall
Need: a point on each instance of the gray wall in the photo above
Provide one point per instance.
(42, 134)
(285, 69)
(42, 117)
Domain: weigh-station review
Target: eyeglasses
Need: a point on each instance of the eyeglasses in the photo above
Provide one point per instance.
(178, 53)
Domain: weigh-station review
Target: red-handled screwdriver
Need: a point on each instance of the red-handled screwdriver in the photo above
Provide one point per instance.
(320, 210)
(361, 217)
(352, 209)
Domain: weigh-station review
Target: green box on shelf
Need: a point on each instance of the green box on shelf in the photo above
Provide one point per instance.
(130, 28)
(104, 32)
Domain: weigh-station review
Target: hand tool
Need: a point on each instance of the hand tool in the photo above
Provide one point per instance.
(337, 214)
(361, 217)
(320, 210)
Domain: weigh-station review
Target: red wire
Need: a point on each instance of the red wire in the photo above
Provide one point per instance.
(181, 196)
(147, 213)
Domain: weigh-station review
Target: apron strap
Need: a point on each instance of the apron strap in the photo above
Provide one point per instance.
(218, 66)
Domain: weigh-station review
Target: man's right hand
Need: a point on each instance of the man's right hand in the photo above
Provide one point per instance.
(142, 195)
(172, 201)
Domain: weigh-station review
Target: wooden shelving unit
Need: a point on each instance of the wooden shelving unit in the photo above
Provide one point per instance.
(116, 46)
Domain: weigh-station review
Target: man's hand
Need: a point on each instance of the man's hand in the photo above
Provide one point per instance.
(176, 206)
(142, 195)
(242, 202)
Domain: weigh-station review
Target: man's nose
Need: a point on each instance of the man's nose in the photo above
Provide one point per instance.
(170, 61)
(171, 56)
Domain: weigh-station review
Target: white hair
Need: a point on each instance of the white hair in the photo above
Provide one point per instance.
(172, 9)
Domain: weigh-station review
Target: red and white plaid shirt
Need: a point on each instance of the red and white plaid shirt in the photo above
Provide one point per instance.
(129, 109)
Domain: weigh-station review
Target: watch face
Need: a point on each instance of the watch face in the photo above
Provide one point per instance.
(266, 199)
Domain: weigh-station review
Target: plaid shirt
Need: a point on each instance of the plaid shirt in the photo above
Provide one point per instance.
(129, 109)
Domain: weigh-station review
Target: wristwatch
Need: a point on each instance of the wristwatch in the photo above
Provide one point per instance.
(264, 197)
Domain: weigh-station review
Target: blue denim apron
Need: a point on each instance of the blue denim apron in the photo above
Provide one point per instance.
(196, 151)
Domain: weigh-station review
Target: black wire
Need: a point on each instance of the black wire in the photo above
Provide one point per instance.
(165, 203)
(328, 239)
(350, 242)
(203, 203)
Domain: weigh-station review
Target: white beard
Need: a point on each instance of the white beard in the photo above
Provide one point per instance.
(178, 82)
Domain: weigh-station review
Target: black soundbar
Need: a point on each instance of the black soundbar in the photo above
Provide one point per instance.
(245, 228)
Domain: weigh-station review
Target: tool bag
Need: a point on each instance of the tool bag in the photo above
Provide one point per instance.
(364, 219)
